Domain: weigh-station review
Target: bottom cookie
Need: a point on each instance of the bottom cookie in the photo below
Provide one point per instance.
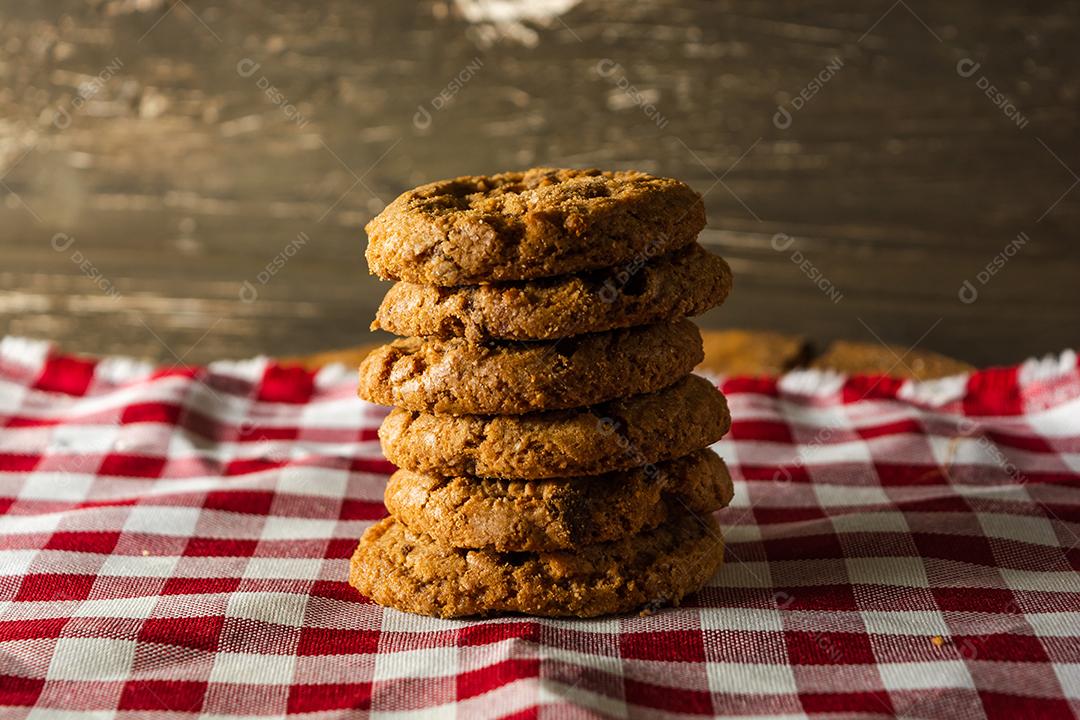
(409, 572)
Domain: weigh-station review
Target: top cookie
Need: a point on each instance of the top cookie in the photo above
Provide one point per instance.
(523, 225)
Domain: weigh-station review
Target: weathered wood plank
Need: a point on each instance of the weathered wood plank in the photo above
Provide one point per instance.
(181, 174)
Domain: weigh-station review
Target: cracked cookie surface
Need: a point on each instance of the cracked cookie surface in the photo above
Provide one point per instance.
(532, 224)
(407, 571)
(624, 433)
(460, 377)
(686, 282)
(558, 514)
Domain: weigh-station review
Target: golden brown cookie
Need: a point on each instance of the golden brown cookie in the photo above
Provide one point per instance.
(686, 282)
(532, 224)
(620, 434)
(457, 376)
(402, 570)
(560, 514)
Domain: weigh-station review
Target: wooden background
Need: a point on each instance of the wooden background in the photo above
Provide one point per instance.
(156, 156)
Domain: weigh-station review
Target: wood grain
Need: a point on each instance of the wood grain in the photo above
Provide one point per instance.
(213, 184)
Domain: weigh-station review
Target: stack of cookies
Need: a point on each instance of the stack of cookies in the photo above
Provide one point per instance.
(551, 437)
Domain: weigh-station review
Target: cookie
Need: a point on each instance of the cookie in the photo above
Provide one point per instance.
(400, 569)
(686, 282)
(532, 224)
(537, 515)
(457, 376)
(620, 434)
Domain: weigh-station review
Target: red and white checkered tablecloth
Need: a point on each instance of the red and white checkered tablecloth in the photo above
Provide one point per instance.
(175, 541)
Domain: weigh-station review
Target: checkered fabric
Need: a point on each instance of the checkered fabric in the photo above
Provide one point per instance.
(177, 540)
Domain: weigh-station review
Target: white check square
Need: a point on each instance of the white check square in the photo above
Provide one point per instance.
(422, 663)
(48, 713)
(925, 675)
(139, 566)
(323, 482)
(84, 658)
(1052, 624)
(162, 520)
(250, 669)
(283, 568)
(12, 395)
(904, 622)
(15, 563)
(56, 486)
(25, 440)
(897, 571)
(750, 679)
(29, 524)
(133, 607)
(89, 439)
(294, 528)
(343, 413)
(845, 495)
(870, 522)
(1023, 528)
(396, 621)
(278, 608)
(746, 619)
(1068, 675)
(737, 573)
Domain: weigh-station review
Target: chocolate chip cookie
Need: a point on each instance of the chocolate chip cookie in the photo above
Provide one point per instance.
(398, 568)
(523, 225)
(457, 376)
(620, 434)
(686, 282)
(538, 515)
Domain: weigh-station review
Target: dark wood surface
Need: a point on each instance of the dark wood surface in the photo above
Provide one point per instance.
(179, 176)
